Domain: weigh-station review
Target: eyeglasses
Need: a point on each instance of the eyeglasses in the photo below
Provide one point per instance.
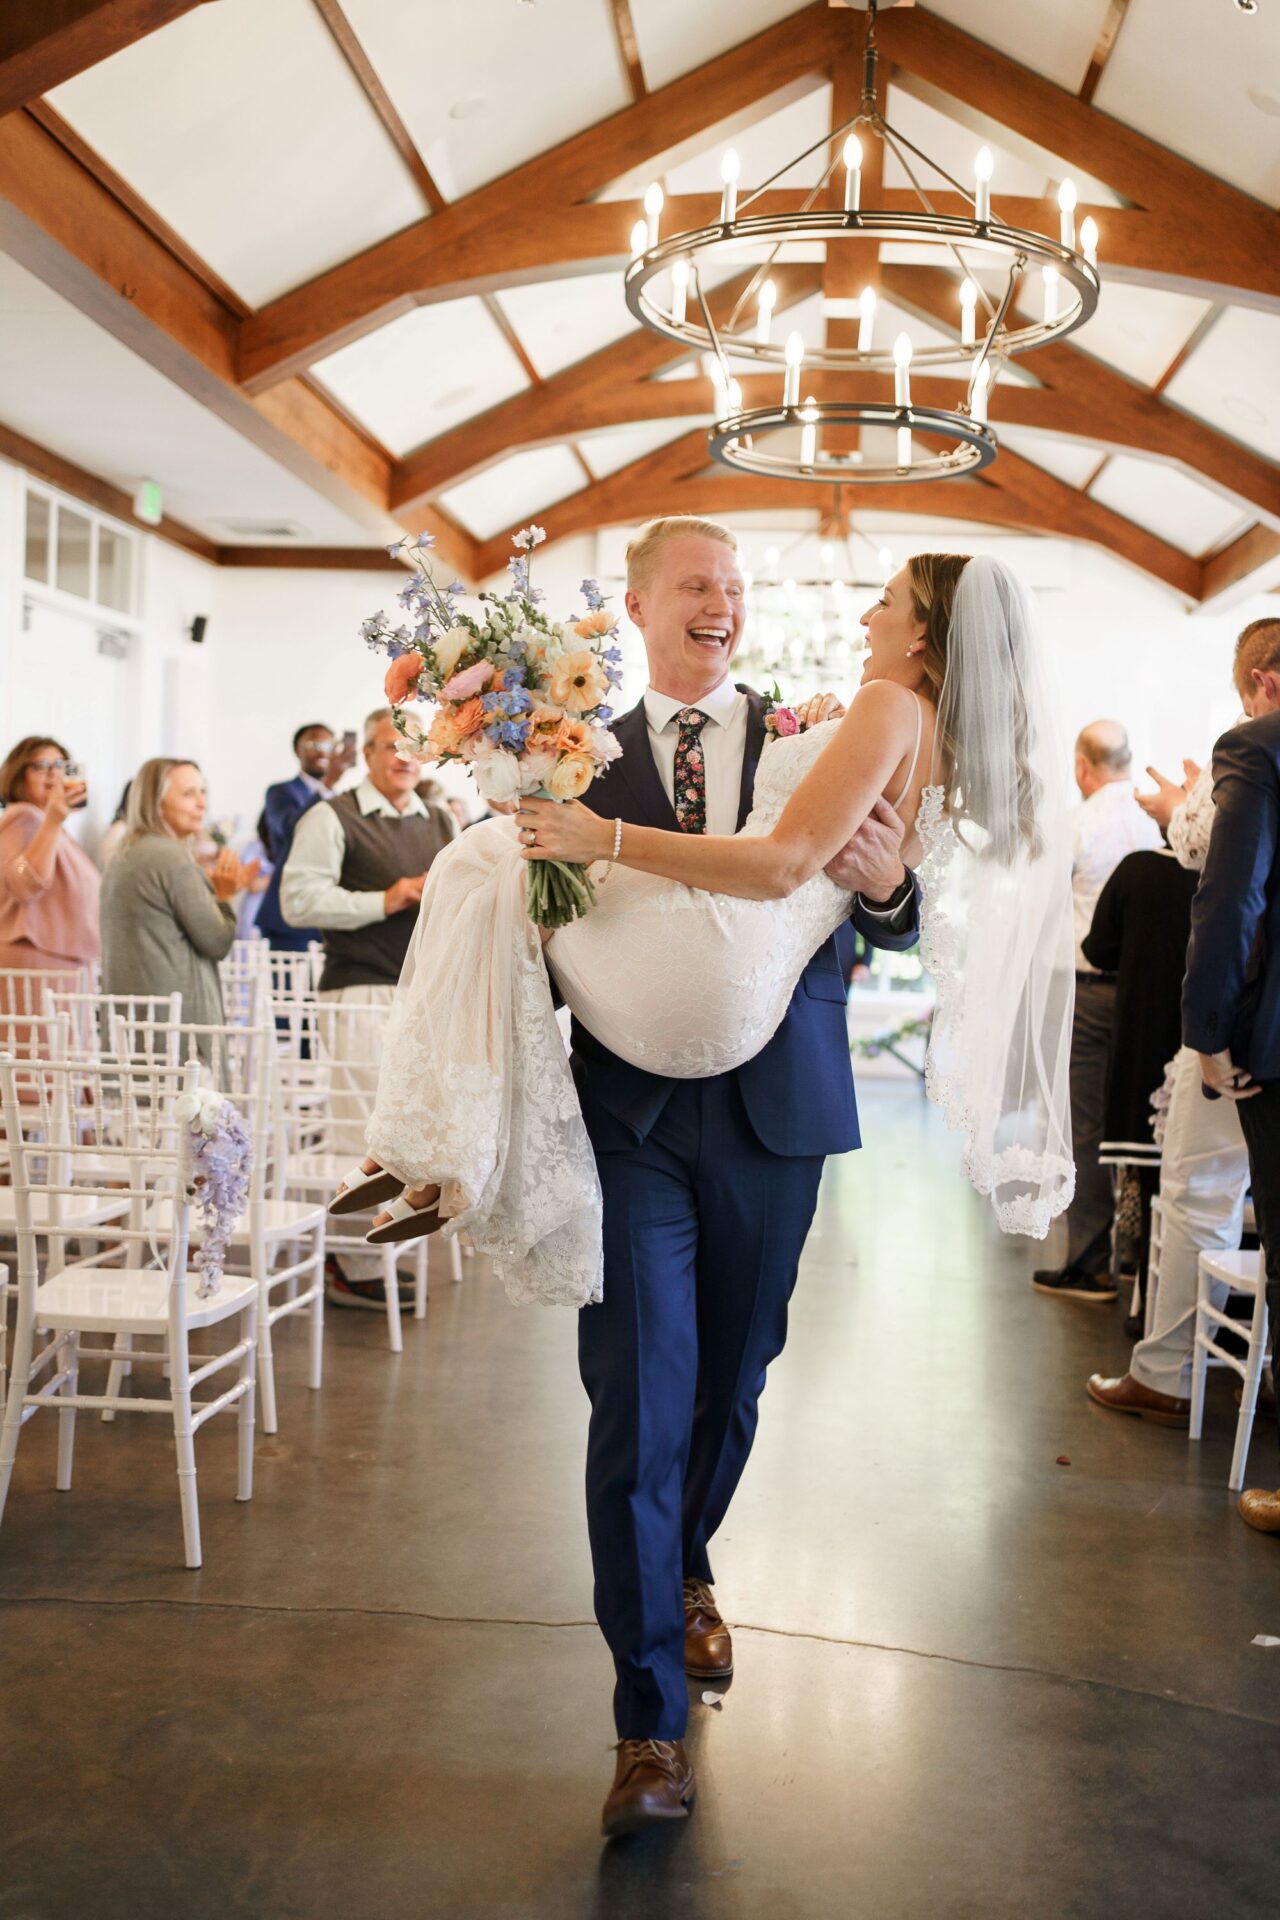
(47, 766)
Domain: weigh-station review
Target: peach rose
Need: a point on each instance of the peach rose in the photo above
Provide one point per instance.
(468, 719)
(570, 777)
(578, 682)
(545, 723)
(401, 677)
(443, 737)
(592, 625)
(574, 736)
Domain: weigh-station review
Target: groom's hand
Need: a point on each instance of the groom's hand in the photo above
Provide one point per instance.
(871, 864)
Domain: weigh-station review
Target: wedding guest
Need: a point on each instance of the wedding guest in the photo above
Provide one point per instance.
(113, 839)
(1204, 1173)
(356, 872)
(1231, 1001)
(321, 765)
(165, 924)
(48, 885)
(1108, 825)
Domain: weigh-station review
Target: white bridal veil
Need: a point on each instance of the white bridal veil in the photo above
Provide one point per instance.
(997, 931)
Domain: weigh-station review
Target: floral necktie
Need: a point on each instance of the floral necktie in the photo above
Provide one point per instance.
(691, 773)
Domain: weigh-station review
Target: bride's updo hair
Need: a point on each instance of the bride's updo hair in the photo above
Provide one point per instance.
(1000, 793)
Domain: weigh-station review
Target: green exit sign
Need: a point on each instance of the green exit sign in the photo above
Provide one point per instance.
(148, 503)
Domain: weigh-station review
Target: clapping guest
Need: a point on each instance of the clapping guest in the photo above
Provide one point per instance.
(48, 884)
(1108, 825)
(165, 924)
(321, 765)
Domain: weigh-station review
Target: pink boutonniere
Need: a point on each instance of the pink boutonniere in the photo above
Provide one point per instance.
(782, 722)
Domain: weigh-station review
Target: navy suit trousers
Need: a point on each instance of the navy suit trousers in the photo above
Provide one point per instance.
(703, 1231)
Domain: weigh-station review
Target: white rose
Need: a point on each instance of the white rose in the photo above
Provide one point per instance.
(537, 767)
(498, 776)
(450, 648)
(186, 1107)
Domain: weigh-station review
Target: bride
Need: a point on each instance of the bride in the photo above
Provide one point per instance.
(687, 963)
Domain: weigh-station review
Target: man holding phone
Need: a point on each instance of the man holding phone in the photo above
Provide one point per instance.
(321, 765)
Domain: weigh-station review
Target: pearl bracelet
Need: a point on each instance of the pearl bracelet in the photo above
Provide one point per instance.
(617, 849)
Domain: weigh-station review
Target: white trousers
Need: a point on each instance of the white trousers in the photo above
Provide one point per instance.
(1204, 1176)
(357, 1042)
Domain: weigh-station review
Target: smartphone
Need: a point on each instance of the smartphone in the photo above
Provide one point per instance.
(72, 770)
(348, 744)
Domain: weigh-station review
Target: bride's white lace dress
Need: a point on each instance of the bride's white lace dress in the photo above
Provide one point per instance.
(475, 1093)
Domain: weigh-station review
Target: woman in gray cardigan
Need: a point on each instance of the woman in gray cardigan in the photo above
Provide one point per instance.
(164, 925)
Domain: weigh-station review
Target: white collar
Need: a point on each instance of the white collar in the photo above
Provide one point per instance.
(719, 705)
(312, 781)
(369, 800)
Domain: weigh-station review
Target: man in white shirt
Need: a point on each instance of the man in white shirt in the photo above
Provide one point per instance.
(1109, 824)
(356, 871)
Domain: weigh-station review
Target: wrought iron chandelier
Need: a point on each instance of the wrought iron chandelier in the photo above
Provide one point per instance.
(669, 282)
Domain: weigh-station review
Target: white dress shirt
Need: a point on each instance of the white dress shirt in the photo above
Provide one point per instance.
(1108, 825)
(310, 894)
(723, 741)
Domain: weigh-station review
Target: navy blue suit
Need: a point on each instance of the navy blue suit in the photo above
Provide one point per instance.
(1231, 995)
(285, 805)
(709, 1191)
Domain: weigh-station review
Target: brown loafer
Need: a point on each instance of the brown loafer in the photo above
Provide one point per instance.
(1128, 1395)
(1260, 1509)
(708, 1648)
(652, 1782)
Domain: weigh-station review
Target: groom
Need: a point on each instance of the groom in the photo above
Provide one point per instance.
(709, 1185)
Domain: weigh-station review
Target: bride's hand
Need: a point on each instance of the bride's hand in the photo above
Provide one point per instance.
(823, 706)
(563, 830)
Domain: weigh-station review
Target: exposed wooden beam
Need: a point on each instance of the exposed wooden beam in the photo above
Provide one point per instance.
(64, 226)
(44, 42)
(511, 228)
(1103, 405)
(602, 391)
(96, 492)
(317, 559)
(1104, 47)
(348, 45)
(1256, 547)
(1239, 258)
(624, 28)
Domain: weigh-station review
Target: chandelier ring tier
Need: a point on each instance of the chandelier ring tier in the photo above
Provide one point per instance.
(671, 280)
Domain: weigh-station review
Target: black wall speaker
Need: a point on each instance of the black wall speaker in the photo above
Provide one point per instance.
(198, 626)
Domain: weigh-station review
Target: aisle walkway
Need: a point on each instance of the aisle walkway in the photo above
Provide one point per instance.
(971, 1681)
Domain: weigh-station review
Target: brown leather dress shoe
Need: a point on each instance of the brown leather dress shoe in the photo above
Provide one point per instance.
(1260, 1509)
(708, 1648)
(1128, 1395)
(653, 1782)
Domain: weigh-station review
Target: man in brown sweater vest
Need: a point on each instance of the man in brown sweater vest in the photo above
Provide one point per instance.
(356, 871)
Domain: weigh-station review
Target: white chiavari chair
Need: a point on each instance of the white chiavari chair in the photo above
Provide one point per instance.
(280, 1241)
(90, 1015)
(23, 989)
(246, 983)
(78, 1110)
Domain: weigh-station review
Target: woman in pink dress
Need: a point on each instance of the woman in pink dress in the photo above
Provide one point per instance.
(48, 885)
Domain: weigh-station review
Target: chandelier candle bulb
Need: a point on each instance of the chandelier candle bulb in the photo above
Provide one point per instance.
(639, 239)
(653, 199)
(735, 396)
(904, 446)
(1067, 205)
(1089, 239)
(981, 389)
(679, 290)
(968, 307)
(866, 318)
(1050, 277)
(902, 371)
(983, 168)
(730, 168)
(809, 433)
(764, 316)
(852, 174)
(794, 352)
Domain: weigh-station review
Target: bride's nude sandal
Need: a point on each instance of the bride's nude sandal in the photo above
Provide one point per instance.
(406, 1222)
(361, 1191)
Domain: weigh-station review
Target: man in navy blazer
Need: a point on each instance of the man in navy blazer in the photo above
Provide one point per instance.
(320, 767)
(709, 1189)
(1231, 995)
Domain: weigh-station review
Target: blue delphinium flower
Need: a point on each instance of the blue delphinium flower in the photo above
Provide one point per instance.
(591, 593)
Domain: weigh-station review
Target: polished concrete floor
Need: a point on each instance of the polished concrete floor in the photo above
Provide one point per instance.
(971, 1680)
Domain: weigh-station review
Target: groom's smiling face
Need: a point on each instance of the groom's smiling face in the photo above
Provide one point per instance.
(691, 612)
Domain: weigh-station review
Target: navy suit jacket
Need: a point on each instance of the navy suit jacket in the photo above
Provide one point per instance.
(1231, 995)
(285, 805)
(798, 1092)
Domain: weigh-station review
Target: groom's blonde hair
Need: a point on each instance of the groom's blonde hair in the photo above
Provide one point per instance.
(643, 551)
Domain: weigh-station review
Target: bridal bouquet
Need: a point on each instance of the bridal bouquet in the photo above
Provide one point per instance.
(521, 700)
